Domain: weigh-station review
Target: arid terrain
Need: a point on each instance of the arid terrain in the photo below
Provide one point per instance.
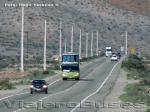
(112, 18)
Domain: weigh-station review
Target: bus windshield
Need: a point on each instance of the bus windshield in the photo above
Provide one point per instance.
(70, 58)
(71, 68)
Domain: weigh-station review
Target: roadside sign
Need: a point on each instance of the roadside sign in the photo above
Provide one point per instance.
(133, 51)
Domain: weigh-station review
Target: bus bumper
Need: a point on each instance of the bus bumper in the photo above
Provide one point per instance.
(71, 75)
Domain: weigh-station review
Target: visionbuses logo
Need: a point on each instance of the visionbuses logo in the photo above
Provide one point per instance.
(40, 105)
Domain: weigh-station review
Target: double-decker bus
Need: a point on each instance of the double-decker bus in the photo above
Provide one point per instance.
(70, 66)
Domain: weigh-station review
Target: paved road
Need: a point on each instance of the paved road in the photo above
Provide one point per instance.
(63, 96)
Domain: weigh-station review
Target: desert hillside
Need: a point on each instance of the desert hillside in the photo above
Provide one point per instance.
(110, 17)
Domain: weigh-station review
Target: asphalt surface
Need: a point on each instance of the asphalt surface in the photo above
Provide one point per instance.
(63, 96)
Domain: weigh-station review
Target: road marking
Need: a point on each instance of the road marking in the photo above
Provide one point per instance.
(48, 85)
(13, 95)
(83, 100)
(34, 103)
(54, 82)
(27, 92)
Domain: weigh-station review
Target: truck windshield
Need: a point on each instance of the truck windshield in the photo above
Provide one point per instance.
(108, 49)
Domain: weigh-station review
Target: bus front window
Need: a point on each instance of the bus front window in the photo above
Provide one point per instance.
(70, 58)
(70, 68)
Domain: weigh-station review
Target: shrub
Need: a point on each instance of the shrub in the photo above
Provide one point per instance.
(148, 108)
(146, 81)
(45, 72)
(5, 84)
(133, 62)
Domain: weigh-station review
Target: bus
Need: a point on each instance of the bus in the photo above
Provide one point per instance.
(70, 66)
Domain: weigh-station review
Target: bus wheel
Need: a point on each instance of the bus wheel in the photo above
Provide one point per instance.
(64, 78)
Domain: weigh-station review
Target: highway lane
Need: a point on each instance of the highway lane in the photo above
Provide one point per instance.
(95, 102)
(66, 100)
(57, 87)
(79, 91)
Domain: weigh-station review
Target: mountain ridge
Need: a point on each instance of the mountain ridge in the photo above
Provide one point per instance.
(89, 15)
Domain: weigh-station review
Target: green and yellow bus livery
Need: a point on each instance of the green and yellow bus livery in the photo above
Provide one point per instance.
(70, 66)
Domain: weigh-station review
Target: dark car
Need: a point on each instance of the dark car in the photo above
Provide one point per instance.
(38, 86)
(119, 55)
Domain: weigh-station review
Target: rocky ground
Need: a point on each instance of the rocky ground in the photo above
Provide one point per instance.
(110, 17)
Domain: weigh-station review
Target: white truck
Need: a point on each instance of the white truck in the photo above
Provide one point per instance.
(108, 51)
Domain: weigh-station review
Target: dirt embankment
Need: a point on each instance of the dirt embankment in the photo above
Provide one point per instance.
(12, 74)
(138, 6)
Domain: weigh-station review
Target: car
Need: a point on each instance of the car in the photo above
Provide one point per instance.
(114, 57)
(38, 86)
(119, 55)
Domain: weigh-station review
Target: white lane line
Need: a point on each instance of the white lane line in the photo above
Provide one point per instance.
(82, 101)
(54, 82)
(49, 85)
(26, 88)
(13, 95)
(27, 92)
(34, 103)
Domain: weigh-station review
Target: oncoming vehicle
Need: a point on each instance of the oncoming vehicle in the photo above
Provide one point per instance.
(70, 66)
(38, 86)
(114, 57)
(108, 51)
(119, 55)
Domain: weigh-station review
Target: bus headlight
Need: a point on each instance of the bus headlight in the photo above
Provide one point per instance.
(44, 86)
(31, 86)
(77, 73)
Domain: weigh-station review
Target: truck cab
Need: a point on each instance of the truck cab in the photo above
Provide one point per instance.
(108, 51)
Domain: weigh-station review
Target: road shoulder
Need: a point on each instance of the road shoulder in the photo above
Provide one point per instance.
(114, 104)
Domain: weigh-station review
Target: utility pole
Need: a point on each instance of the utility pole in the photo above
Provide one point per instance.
(65, 45)
(45, 32)
(60, 42)
(72, 39)
(86, 45)
(22, 41)
(80, 44)
(92, 45)
(27, 46)
(126, 43)
(97, 44)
